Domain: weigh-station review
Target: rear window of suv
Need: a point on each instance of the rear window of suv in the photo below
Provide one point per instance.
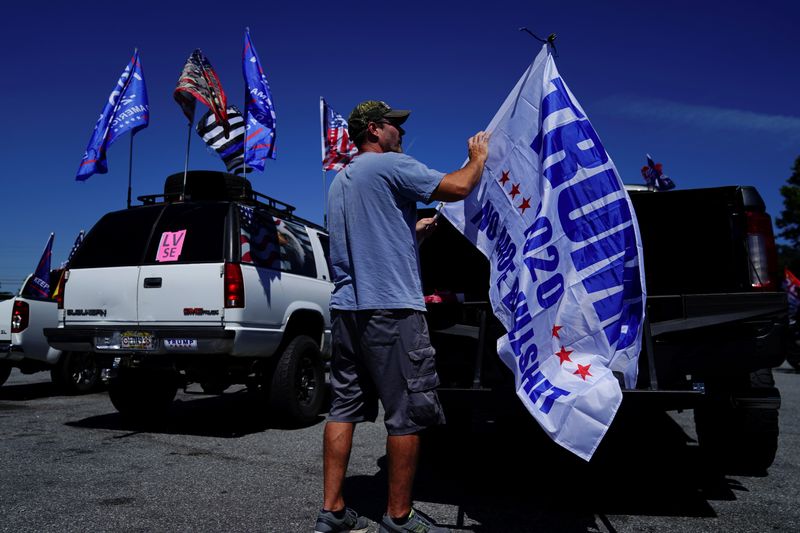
(196, 230)
(135, 236)
(118, 239)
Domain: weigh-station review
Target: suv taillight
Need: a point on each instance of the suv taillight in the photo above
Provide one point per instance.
(234, 286)
(761, 251)
(58, 294)
(19, 317)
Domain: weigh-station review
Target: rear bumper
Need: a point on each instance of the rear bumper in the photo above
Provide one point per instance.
(102, 340)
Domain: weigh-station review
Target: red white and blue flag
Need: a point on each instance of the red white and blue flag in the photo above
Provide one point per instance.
(337, 148)
(567, 280)
(38, 285)
(199, 81)
(126, 110)
(75, 246)
(792, 287)
(259, 109)
(653, 174)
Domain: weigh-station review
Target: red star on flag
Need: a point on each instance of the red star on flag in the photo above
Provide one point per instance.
(555, 331)
(525, 204)
(583, 371)
(505, 178)
(514, 190)
(563, 355)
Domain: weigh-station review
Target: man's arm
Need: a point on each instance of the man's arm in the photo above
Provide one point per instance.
(457, 185)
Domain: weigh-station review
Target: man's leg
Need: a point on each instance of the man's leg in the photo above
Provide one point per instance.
(336, 445)
(403, 453)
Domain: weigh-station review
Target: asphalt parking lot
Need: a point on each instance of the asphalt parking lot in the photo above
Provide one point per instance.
(219, 464)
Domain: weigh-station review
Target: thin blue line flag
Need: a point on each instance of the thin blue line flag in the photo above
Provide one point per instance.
(38, 285)
(259, 109)
(126, 110)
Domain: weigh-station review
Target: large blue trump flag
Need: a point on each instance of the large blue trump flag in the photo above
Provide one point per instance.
(259, 109)
(126, 110)
(557, 226)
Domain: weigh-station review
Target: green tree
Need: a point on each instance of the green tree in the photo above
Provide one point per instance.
(789, 221)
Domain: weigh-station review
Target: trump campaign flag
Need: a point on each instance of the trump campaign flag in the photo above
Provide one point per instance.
(567, 280)
(198, 81)
(259, 141)
(126, 110)
(38, 285)
(337, 148)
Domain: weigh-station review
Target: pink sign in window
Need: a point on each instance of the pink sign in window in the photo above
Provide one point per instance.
(169, 249)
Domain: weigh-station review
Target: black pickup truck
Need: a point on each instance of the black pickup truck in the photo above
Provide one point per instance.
(716, 318)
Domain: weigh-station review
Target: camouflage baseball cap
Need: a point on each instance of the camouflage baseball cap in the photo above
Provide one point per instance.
(372, 111)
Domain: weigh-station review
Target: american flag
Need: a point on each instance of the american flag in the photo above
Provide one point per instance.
(78, 241)
(792, 286)
(199, 81)
(654, 176)
(270, 242)
(338, 150)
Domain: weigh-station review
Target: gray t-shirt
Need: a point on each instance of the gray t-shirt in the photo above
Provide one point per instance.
(372, 214)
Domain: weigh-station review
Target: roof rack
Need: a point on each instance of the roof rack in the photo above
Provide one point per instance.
(208, 185)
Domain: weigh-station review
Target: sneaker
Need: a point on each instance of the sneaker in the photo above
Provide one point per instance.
(416, 523)
(351, 522)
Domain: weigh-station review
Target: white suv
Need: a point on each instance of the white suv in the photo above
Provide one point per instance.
(219, 289)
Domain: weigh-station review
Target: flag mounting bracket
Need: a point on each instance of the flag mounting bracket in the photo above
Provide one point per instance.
(551, 39)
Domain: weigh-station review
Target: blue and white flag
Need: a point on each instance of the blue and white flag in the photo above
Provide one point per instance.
(126, 110)
(567, 279)
(259, 109)
(38, 285)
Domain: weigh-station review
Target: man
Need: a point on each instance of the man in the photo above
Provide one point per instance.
(381, 348)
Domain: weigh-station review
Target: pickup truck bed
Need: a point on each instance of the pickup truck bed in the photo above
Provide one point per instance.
(717, 317)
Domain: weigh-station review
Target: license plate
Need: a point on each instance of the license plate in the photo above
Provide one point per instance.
(137, 340)
(180, 344)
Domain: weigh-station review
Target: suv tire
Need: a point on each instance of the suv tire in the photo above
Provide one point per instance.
(297, 389)
(5, 371)
(76, 373)
(142, 394)
(740, 439)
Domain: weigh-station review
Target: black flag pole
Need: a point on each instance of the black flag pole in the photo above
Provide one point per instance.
(186, 164)
(244, 116)
(130, 169)
(324, 175)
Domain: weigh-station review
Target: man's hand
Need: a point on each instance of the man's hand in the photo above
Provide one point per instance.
(457, 185)
(425, 226)
(478, 146)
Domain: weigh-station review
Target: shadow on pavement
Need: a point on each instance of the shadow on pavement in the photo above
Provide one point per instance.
(29, 391)
(508, 476)
(230, 415)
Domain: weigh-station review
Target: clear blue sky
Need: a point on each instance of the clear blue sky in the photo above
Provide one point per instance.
(708, 88)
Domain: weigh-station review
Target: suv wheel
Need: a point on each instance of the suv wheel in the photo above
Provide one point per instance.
(297, 390)
(76, 373)
(740, 438)
(141, 393)
(5, 371)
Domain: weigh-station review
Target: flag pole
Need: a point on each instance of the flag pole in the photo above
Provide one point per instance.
(130, 169)
(244, 114)
(186, 163)
(324, 175)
